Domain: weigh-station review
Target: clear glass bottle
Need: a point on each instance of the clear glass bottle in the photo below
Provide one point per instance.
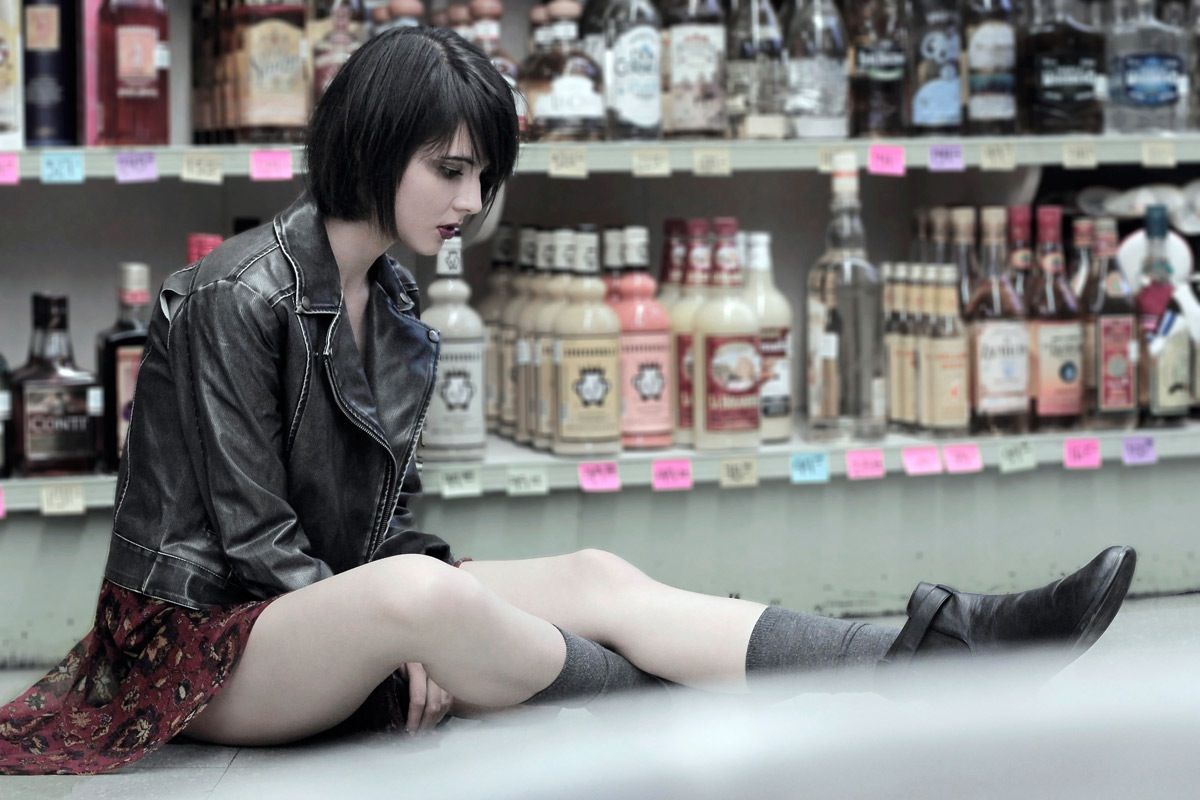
(648, 393)
(965, 256)
(1111, 350)
(902, 404)
(565, 88)
(891, 338)
(755, 72)
(935, 83)
(878, 62)
(1063, 83)
(818, 81)
(119, 351)
(1057, 339)
(695, 291)
(693, 63)
(1166, 358)
(990, 78)
(948, 360)
(632, 39)
(490, 310)
(572, 252)
(926, 305)
(1083, 241)
(775, 319)
(1149, 62)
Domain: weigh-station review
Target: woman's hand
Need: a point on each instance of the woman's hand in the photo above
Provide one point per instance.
(428, 703)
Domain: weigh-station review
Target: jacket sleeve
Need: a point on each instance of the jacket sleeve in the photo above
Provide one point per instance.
(226, 351)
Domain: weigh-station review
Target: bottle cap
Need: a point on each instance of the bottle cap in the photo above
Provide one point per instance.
(963, 218)
(538, 16)
(487, 8)
(564, 250)
(901, 272)
(587, 242)
(612, 249)
(758, 251)
(1020, 223)
(545, 251)
(636, 246)
(564, 9)
(50, 311)
(939, 221)
(993, 217)
(725, 226)
(845, 173)
(449, 258)
(1049, 221)
(675, 227)
(697, 228)
(527, 247)
(1157, 223)
(135, 283)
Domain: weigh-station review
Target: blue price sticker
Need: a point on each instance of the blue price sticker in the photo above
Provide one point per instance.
(810, 468)
(62, 167)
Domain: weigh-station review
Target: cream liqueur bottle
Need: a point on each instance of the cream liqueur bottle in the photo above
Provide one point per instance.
(509, 371)
(526, 335)
(456, 428)
(696, 271)
(491, 308)
(775, 332)
(566, 252)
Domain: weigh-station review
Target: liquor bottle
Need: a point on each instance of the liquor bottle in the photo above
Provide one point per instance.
(1020, 252)
(1057, 333)
(995, 315)
(817, 99)
(613, 264)
(460, 21)
(878, 62)
(56, 405)
(632, 50)
(5, 418)
(965, 258)
(693, 63)
(273, 87)
(1079, 266)
(755, 73)
(695, 291)
(439, 12)
(674, 258)
(774, 313)
(540, 37)
(487, 14)
(591, 29)
(134, 70)
(948, 359)
(510, 370)
(528, 361)
(572, 251)
(989, 79)
(939, 236)
(1110, 341)
(647, 392)
(11, 83)
(51, 73)
(846, 387)
(119, 357)
(587, 363)
(935, 85)
(456, 428)
(902, 405)
(891, 337)
(1166, 351)
(925, 287)
(336, 31)
(1148, 66)
(918, 246)
(565, 87)
(1062, 72)
(490, 310)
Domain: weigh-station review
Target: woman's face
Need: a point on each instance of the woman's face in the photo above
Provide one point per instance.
(437, 191)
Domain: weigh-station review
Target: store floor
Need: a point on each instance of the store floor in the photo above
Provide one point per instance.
(1104, 727)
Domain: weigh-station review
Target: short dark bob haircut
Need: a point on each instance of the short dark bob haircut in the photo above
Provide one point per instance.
(401, 93)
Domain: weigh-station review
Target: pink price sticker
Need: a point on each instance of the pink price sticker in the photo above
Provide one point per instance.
(599, 476)
(271, 165)
(946, 158)
(139, 167)
(921, 461)
(10, 169)
(1081, 454)
(671, 476)
(865, 465)
(886, 159)
(962, 459)
(1138, 451)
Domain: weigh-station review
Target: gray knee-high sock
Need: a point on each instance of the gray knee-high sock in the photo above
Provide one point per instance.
(792, 642)
(591, 672)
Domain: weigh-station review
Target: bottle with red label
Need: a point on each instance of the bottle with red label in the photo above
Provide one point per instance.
(726, 357)
(134, 69)
(697, 270)
(119, 357)
(1056, 341)
(1110, 337)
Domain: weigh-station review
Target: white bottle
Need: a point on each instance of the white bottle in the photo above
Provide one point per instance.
(546, 392)
(726, 364)
(519, 295)
(587, 360)
(490, 309)
(696, 271)
(527, 364)
(775, 332)
(456, 427)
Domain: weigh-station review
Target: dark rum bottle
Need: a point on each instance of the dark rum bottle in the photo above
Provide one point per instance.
(118, 358)
(1062, 67)
(134, 66)
(878, 60)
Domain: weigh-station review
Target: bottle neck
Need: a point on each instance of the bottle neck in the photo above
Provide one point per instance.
(846, 229)
(1158, 266)
(995, 257)
(52, 347)
(133, 313)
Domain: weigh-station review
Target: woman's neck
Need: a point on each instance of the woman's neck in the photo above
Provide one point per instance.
(356, 246)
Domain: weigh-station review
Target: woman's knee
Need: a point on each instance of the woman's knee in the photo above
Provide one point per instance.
(605, 572)
(416, 591)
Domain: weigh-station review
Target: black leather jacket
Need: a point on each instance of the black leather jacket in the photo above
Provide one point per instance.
(265, 452)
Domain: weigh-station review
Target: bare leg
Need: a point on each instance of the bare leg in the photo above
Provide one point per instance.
(315, 654)
(683, 636)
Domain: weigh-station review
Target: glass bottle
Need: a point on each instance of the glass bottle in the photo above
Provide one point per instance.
(273, 87)
(990, 79)
(1020, 251)
(459, 17)
(490, 310)
(1148, 67)
(572, 251)
(529, 358)
(487, 15)
(818, 83)
(11, 82)
(918, 245)
(335, 38)
(1057, 333)
(1110, 341)
(903, 405)
(565, 88)
(1062, 72)
(695, 291)
(935, 84)
(693, 64)
(540, 35)
(119, 351)
(775, 320)
(755, 72)
(891, 337)
(925, 304)
(965, 257)
(647, 407)
(613, 264)
(674, 258)
(56, 405)
(995, 315)
(1079, 266)
(51, 73)
(878, 61)
(939, 236)
(947, 357)
(591, 28)
(1165, 347)
(510, 369)
(632, 39)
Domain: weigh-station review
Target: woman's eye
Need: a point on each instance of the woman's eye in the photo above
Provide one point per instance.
(451, 173)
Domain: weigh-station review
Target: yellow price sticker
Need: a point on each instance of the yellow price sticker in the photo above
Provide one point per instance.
(1079, 155)
(527, 482)
(712, 161)
(652, 163)
(825, 158)
(63, 499)
(568, 162)
(461, 482)
(203, 168)
(739, 473)
(998, 156)
(1159, 154)
(1017, 457)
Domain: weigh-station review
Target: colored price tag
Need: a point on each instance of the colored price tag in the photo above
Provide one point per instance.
(62, 499)
(599, 476)
(921, 461)
(1079, 155)
(568, 162)
(138, 167)
(1081, 454)
(271, 165)
(1137, 451)
(1017, 457)
(652, 163)
(527, 482)
(3, 505)
(865, 465)
(203, 168)
(946, 158)
(962, 459)
(739, 473)
(886, 159)
(810, 468)
(60, 167)
(825, 158)
(10, 169)
(998, 156)
(1160, 155)
(461, 482)
(671, 476)
(712, 161)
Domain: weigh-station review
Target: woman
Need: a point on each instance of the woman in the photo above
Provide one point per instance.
(264, 584)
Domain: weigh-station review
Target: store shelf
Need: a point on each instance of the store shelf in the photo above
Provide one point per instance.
(58, 496)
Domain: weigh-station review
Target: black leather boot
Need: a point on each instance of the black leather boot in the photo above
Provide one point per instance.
(1068, 614)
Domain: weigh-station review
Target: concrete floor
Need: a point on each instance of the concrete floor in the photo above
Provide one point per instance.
(377, 765)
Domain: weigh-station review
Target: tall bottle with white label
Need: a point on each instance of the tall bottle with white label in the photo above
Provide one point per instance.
(569, 248)
(1057, 340)
(528, 361)
(587, 363)
(456, 428)
(566, 87)
(693, 67)
(633, 69)
(775, 333)
(510, 371)
(697, 270)
(817, 97)
(726, 361)
(490, 310)
(647, 391)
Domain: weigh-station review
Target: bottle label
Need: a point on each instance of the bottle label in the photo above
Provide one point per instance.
(137, 74)
(10, 43)
(991, 60)
(683, 371)
(1001, 355)
(1059, 370)
(1052, 262)
(937, 103)
(128, 362)
(906, 356)
(1170, 375)
(271, 68)
(456, 412)
(569, 97)
(813, 371)
(1116, 338)
(1021, 260)
(634, 76)
(329, 54)
(509, 373)
(5, 407)
(588, 391)
(487, 30)
(741, 96)
(646, 383)
(775, 347)
(547, 388)
(882, 62)
(43, 31)
(949, 387)
(1151, 80)
(818, 97)
(733, 371)
(492, 367)
(1066, 79)
(695, 78)
(57, 424)
(593, 45)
